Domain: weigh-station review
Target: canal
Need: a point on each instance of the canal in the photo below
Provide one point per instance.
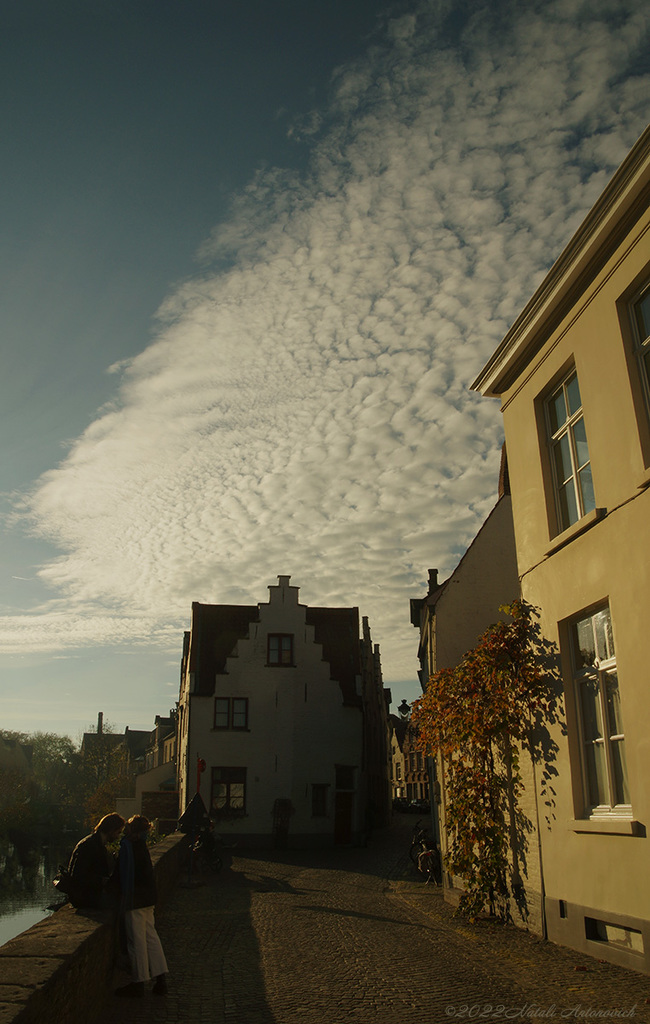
(26, 891)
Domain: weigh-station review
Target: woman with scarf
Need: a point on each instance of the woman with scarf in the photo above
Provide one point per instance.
(138, 899)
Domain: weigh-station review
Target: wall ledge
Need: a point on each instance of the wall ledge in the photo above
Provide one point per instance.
(61, 969)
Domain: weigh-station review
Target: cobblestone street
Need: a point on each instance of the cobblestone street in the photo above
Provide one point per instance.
(354, 935)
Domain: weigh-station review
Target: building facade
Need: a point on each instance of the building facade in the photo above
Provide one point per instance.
(285, 707)
(451, 619)
(573, 377)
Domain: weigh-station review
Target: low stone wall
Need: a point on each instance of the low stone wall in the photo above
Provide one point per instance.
(61, 970)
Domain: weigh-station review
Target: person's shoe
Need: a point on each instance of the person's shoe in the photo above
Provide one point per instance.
(160, 987)
(133, 989)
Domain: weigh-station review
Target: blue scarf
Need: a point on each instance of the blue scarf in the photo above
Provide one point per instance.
(126, 865)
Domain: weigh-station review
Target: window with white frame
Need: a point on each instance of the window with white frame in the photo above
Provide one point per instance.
(228, 797)
(641, 328)
(598, 704)
(231, 713)
(279, 649)
(567, 437)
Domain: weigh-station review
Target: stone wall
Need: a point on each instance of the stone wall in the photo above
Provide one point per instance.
(61, 970)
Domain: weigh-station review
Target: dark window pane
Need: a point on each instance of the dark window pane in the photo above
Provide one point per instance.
(563, 463)
(619, 767)
(614, 719)
(604, 638)
(237, 795)
(573, 394)
(583, 643)
(557, 411)
(568, 505)
(219, 795)
(596, 774)
(587, 490)
(221, 713)
(286, 650)
(239, 713)
(280, 649)
(591, 717)
(642, 310)
(580, 440)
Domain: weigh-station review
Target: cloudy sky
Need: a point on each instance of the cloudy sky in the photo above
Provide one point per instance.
(253, 255)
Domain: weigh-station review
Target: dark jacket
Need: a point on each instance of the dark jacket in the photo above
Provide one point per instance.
(90, 867)
(136, 877)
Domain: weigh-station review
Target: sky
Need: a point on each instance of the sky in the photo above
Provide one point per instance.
(253, 256)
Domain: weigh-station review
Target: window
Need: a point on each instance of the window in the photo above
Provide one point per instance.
(574, 490)
(319, 800)
(599, 709)
(228, 798)
(641, 328)
(280, 649)
(231, 713)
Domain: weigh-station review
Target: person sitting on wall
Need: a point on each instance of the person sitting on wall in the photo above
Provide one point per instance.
(92, 865)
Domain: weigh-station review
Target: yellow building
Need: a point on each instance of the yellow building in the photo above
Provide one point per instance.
(573, 376)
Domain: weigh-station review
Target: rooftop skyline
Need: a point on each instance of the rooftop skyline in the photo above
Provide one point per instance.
(253, 259)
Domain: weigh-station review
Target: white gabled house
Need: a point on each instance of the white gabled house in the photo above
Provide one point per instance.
(285, 706)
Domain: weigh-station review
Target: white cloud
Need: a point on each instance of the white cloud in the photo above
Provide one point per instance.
(303, 408)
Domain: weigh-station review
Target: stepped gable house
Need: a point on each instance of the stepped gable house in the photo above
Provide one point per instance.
(285, 706)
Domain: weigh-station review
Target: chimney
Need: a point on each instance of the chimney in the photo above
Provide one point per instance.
(100, 723)
(433, 580)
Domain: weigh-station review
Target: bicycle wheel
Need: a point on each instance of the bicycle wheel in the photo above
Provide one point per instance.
(416, 849)
(429, 865)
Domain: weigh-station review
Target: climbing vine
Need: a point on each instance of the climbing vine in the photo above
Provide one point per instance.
(479, 716)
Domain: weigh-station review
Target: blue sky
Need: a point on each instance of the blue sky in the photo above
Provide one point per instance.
(253, 255)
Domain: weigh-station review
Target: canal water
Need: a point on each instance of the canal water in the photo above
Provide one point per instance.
(26, 891)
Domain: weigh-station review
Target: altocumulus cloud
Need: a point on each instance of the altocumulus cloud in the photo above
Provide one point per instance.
(304, 407)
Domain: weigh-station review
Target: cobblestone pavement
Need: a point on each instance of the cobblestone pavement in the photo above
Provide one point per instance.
(354, 935)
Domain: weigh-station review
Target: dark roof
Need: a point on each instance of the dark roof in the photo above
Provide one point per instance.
(337, 629)
(216, 628)
(136, 741)
(399, 727)
(103, 740)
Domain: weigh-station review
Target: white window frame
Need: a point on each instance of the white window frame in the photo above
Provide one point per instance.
(557, 435)
(641, 337)
(594, 672)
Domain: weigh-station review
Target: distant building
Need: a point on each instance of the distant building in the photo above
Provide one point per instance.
(451, 618)
(573, 377)
(409, 775)
(156, 786)
(107, 754)
(284, 706)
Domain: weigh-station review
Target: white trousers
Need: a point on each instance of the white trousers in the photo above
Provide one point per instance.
(144, 946)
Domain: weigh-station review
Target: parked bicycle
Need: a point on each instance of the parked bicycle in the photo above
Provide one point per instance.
(425, 854)
(205, 853)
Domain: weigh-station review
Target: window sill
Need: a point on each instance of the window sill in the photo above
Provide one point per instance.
(610, 825)
(576, 529)
(644, 483)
